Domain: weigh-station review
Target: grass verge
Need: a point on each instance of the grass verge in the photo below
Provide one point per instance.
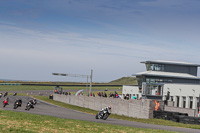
(31, 88)
(90, 111)
(18, 122)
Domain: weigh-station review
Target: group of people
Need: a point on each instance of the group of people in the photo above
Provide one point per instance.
(128, 96)
(113, 95)
(91, 94)
(102, 94)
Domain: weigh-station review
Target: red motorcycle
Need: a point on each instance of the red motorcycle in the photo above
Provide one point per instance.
(5, 102)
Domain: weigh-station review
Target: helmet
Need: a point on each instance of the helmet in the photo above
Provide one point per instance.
(109, 107)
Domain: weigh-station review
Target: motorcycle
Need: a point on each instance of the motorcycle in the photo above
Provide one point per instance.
(1, 95)
(103, 114)
(17, 104)
(5, 94)
(5, 102)
(29, 106)
(14, 94)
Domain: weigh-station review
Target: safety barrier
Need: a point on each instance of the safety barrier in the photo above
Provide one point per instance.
(176, 117)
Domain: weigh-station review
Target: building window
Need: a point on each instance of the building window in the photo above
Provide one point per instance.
(191, 102)
(172, 98)
(177, 101)
(184, 102)
(152, 80)
(155, 90)
(155, 67)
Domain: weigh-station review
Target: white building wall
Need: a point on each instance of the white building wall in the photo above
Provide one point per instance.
(128, 89)
(183, 90)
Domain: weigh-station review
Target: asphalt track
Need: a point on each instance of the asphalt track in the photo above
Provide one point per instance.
(43, 108)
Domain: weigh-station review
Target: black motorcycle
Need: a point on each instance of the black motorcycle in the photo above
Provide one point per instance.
(103, 114)
(14, 94)
(17, 104)
(5, 94)
(29, 106)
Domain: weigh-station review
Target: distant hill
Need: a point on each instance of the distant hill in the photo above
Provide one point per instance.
(125, 81)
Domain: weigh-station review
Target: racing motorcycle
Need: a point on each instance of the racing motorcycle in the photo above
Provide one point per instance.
(18, 103)
(5, 102)
(104, 113)
(6, 93)
(29, 106)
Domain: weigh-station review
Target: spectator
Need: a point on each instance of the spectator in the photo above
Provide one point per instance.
(134, 97)
(117, 96)
(93, 95)
(105, 95)
(127, 96)
(55, 91)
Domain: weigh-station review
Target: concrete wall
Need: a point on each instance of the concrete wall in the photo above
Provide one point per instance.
(132, 108)
(191, 112)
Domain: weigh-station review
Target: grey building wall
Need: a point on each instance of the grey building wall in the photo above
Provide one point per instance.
(131, 108)
(181, 69)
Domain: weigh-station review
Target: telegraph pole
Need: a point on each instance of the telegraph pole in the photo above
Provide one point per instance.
(91, 82)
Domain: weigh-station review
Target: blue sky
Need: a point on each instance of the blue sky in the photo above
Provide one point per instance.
(109, 36)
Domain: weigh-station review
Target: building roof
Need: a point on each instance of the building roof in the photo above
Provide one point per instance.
(171, 62)
(166, 74)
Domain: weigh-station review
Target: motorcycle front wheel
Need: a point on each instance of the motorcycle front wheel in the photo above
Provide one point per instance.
(97, 116)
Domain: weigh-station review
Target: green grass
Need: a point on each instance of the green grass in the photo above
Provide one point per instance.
(65, 88)
(125, 81)
(90, 111)
(18, 122)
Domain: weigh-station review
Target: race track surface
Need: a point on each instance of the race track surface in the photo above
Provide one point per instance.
(43, 108)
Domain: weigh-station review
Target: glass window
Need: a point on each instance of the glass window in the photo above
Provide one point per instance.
(191, 102)
(155, 67)
(184, 102)
(154, 89)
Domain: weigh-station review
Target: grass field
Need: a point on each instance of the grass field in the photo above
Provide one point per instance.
(18, 122)
(29, 88)
(151, 121)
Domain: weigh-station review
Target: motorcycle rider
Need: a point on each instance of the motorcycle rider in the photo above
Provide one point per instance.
(6, 93)
(108, 109)
(30, 103)
(19, 101)
(5, 102)
(33, 101)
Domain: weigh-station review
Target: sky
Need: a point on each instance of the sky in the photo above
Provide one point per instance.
(111, 37)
